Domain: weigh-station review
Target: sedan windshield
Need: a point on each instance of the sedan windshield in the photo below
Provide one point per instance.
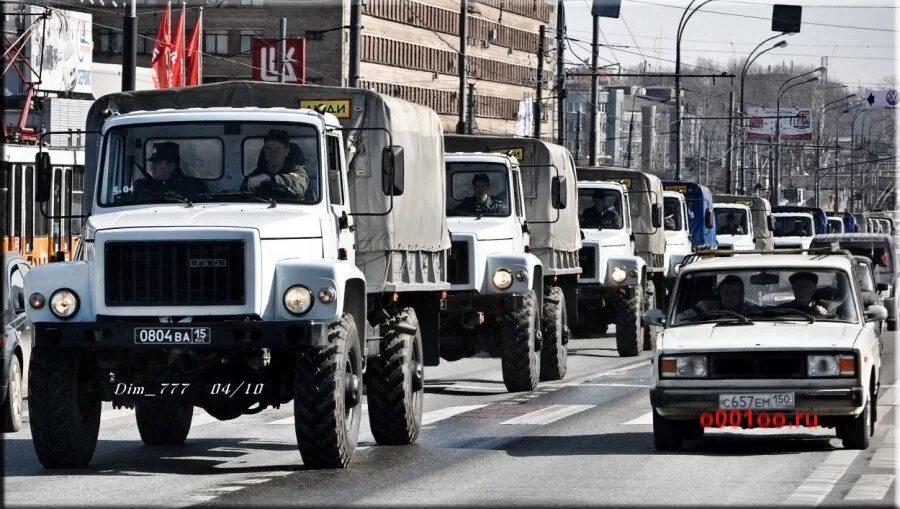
(770, 294)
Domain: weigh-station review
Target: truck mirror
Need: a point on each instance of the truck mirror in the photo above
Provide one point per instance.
(44, 171)
(559, 192)
(770, 223)
(392, 170)
(708, 219)
(656, 215)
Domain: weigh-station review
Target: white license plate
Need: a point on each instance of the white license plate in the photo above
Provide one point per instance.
(172, 336)
(757, 401)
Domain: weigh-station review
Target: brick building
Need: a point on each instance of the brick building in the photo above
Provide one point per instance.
(408, 47)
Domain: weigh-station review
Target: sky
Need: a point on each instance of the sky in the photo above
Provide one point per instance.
(865, 56)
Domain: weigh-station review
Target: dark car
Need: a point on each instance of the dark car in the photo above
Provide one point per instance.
(16, 342)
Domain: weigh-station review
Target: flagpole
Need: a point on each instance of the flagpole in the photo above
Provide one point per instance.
(183, 41)
(169, 35)
(199, 55)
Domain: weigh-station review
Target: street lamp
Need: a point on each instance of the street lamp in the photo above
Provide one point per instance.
(747, 63)
(777, 167)
(685, 17)
(819, 122)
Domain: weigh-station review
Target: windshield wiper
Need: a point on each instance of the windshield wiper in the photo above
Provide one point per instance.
(246, 194)
(733, 318)
(788, 311)
(175, 195)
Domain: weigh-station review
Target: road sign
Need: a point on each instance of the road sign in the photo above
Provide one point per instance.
(886, 98)
(264, 59)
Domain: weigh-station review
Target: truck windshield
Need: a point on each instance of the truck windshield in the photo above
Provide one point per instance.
(477, 189)
(731, 221)
(793, 226)
(600, 208)
(835, 225)
(672, 208)
(210, 162)
(764, 294)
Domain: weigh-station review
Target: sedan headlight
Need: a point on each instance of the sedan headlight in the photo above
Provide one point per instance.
(619, 275)
(502, 279)
(64, 303)
(830, 365)
(683, 366)
(298, 299)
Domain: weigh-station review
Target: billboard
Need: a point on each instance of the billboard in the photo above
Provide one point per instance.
(62, 52)
(264, 59)
(796, 124)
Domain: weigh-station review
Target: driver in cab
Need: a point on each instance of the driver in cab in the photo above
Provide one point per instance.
(481, 202)
(278, 175)
(731, 299)
(164, 174)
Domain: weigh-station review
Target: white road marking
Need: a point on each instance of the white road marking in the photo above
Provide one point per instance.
(227, 488)
(870, 487)
(889, 397)
(891, 437)
(884, 458)
(115, 413)
(470, 388)
(642, 420)
(588, 384)
(201, 498)
(645, 362)
(252, 481)
(200, 418)
(548, 415)
(820, 483)
(446, 413)
(285, 421)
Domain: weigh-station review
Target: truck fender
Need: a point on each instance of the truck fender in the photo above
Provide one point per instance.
(47, 279)
(634, 267)
(344, 277)
(515, 264)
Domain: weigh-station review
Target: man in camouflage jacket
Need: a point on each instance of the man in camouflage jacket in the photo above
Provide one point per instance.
(277, 176)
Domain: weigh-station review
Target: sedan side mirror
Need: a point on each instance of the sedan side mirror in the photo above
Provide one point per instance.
(876, 313)
(657, 317)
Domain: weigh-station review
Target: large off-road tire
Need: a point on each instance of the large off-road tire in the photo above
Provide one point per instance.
(629, 336)
(520, 359)
(12, 406)
(667, 434)
(64, 415)
(649, 331)
(163, 421)
(857, 430)
(395, 382)
(328, 397)
(555, 334)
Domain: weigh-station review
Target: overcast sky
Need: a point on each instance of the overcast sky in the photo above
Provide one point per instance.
(730, 29)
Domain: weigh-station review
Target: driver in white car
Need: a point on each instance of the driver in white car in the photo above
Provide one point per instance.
(731, 298)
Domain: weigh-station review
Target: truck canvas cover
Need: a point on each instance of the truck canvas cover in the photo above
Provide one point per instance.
(540, 162)
(819, 217)
(761, 211)
(417, 221)
(644, 192)
(699, 201)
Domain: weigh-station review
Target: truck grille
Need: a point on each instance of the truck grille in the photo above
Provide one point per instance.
(587, 258)
(174, 273)
(759, 365)
(727, 247)
(458, 263)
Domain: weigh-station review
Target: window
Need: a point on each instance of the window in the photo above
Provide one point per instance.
(110, 41)
(477, 189)
(672, 212)
(17, 288)
(252, 3)
(215, 42)
(145, 43)
(246, 36)
(335, 185)
(518, 196)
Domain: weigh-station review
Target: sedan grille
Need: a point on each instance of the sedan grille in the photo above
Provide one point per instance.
(757, 365)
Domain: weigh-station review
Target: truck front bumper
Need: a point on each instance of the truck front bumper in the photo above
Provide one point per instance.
(473, 301)
(691, 403)
(222, 334)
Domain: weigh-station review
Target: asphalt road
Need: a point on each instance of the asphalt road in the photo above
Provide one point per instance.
(586, 440)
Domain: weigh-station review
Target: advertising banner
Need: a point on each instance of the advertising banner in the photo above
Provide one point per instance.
(796, 124)
(265, 59)
(62, 51)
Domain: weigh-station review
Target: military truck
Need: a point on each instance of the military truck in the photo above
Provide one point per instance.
(623, 253)
(244, 295)
(760, 216)
(550, 233)
(697, 220)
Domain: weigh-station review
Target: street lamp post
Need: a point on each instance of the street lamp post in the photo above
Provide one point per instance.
(819, 123)
(852, 201)
(776, 170)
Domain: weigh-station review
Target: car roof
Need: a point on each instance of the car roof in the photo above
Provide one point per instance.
(750, 261)
(854, 237)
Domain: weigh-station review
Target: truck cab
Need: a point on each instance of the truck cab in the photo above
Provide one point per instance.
(678, 241)
(793, 230)
(835, 225)
(734, 227)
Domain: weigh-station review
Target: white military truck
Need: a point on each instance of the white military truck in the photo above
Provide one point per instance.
(678, 237)
(623, 252)
(760, 217)
(734, 227)
(536, 252)
(288, 257)
(793, 230)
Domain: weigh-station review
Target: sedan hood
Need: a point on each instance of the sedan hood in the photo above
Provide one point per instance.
(760, 336)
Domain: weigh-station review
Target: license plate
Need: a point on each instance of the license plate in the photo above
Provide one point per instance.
(172, 336)
(760, 401)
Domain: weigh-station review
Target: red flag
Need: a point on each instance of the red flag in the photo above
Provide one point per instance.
(177, 55)
(192, 55)
(162, 49)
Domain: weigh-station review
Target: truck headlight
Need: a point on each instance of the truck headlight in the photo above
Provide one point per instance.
(64, 303)
(502, 279)
(298, 299)
(830, 365)
(619, 275)
(683, 366)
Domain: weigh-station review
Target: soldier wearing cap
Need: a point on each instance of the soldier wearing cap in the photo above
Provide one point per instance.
(280, 172)
(804, 286)
(603, 213)
(481, 202)
(164, 172)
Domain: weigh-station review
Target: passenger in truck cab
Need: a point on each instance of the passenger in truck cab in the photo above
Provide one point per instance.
(731, 227)
(165, 174)
(280, 172)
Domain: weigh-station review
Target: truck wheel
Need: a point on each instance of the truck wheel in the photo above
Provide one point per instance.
(327, 396)
(629, 304)
(649, 330)
(858, 429)
(666, 433)
(555, 334)
(519, 358)
(163, 421)
(395, 382)
(64, 415)
(12, 407)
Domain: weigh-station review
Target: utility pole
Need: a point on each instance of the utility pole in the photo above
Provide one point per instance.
(560, 73)
(595, 96)
(355, 27)
(578, 137)
(129, 47)
(463, 43)
(540, 82)
(282, 50)
(729, 143)
(470, 115)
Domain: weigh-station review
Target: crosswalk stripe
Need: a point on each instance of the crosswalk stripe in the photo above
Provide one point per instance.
(548, 415)
(870, 487)
(200, 418)
(446, 413)
(891, 437)
(820, 483)
(889, 397)
(115, 413)
(884, 458)
(644, 419)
